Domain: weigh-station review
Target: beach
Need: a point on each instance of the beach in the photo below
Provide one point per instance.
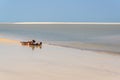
(52, 62)
(59, 40)
(87, 51)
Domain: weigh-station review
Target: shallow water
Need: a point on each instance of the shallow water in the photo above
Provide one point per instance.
(107, 34)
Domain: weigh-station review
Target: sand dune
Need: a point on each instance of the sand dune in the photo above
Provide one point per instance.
(4, 40)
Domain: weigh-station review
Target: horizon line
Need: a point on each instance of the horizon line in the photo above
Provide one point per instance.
(59, 22)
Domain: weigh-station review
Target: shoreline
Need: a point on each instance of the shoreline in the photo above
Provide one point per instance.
(85, 46)
(73, 45)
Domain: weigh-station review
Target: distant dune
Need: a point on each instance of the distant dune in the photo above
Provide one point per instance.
(59, 23)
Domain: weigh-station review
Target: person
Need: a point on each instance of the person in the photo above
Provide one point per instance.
(33, 41)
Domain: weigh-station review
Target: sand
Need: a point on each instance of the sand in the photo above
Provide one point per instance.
(55, 63)
(4, 40)
(109, 48)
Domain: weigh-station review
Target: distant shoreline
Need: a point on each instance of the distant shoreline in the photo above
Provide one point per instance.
(59, 22)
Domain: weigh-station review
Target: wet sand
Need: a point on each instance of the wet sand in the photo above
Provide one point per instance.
(110, 48)
(55, 63)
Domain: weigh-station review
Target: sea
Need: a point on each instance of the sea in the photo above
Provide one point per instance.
(107, 34)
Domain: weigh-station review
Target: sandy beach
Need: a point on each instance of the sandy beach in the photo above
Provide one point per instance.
(59, 40)
(55, 63)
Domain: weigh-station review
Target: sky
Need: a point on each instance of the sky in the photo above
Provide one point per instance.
(59, 10)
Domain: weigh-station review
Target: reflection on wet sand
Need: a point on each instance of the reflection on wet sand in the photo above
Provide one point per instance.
(33, 46)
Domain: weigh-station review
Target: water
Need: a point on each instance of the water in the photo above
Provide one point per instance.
(90, 33)
(106, 36)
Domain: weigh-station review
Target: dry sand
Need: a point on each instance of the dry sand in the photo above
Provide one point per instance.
(4, 40)
(56, 63)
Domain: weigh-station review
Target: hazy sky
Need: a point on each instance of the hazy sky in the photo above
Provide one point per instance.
(60, 10)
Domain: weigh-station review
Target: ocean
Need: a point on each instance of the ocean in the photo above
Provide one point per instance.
(107, 34)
